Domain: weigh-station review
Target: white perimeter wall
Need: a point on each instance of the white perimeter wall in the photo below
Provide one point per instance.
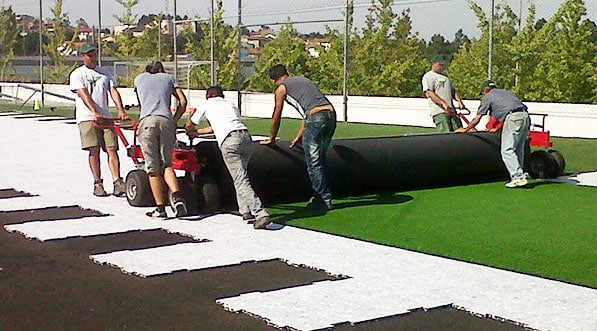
(563, 120)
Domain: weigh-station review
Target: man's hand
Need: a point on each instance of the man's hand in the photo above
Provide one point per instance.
(268, 142)
(295, 141)
(123, 116)
(461, 130)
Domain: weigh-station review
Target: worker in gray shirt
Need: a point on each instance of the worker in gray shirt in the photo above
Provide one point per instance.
(506, 107)
(317, 128)
(157, 135)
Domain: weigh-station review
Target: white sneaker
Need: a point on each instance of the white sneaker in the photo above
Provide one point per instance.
(517, 182)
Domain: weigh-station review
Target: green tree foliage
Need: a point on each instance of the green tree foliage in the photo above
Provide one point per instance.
(58, 47)
(9, 35)
(566, 69)
(286, 49)
(387, 59)
(225, 51)
(552, 60)
(125, 42)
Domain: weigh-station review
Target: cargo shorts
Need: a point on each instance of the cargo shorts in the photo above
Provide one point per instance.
(92, 136)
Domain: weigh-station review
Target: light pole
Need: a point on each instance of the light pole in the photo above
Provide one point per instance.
(174, 37)
(99, 33)
(490, 47)
(212, 46)
(41, 53)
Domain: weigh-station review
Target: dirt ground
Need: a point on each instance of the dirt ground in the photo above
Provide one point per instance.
(55, 286)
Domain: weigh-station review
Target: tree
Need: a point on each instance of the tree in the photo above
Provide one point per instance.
(57, 47)
(125, 42)
(225, 52)
(8, 38)
(566, 70)
(286, 49)
(387, 59)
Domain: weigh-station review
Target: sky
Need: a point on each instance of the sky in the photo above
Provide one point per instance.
(429, 17)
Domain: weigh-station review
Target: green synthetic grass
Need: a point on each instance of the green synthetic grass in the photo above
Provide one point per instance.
(548, 229)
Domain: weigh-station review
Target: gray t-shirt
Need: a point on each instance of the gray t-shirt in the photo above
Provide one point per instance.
(442, 86)
(155, 93)
(303, 95)
(499, 103)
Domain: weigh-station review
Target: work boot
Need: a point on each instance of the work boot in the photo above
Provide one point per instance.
(119, 188)
(98, 189)
(262, 222)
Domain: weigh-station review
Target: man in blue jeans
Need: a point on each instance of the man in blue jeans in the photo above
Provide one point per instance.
(506, 107)
(317, 129)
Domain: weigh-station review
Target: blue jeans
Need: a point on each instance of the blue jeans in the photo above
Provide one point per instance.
(319, 129)
(236, 150)
(514, 137)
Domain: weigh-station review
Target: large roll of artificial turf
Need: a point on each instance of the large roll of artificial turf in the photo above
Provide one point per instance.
(367, 165)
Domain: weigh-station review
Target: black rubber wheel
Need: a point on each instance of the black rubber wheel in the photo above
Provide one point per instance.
(542, 164)
(209, 194)
(138, 191)
(560, 161)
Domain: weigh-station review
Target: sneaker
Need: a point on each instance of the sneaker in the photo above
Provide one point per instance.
(98, 190)
(179, 206)
(262, 222)
(318, 204)
(119, 188)
(517, 182)
(248, 217)
(157, 213)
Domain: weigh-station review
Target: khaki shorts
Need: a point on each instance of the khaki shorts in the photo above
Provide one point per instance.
(157, 136)
(91, 136)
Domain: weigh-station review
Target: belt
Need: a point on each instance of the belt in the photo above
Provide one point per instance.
(518, 110)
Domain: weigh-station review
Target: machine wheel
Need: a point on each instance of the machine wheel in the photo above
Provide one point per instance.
(542, 164)
(138, 191)
(209, 194)
(560, 161)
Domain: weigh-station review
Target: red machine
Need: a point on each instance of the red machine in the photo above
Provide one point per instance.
(545, 162)
(138, 191)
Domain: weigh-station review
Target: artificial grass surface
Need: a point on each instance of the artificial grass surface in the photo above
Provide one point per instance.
(548, 229)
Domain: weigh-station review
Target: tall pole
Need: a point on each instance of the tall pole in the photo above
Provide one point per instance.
(212, 46)
(175, 50)
(345, 68)
(517, 33)
(99, 33)
(490, 51)
(238, 60)
(41, 53)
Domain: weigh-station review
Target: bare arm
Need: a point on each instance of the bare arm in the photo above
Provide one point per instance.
(459, 100)
(436, 98)
(84, 95)
(299, 135)
(280, 94)
(471, 125)
(122, 115)
(182, 103)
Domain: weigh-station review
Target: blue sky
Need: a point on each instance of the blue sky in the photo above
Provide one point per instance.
(428, 16)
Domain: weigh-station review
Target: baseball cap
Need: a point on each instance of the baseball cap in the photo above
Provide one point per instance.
(438, 58)
(88, 48)
(488, 83)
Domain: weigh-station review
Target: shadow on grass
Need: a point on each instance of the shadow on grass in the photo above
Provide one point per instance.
(303, 211)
